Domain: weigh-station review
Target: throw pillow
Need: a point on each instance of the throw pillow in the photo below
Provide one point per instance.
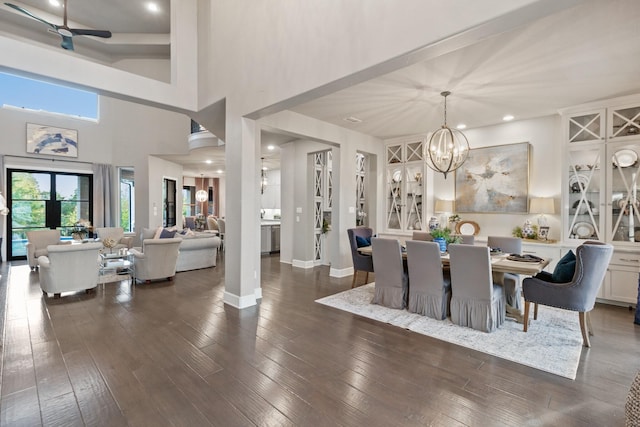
(363, 241)
(157, 233)
(565, 268)
(167, 234)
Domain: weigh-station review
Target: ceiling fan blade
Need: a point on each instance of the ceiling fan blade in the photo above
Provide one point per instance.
(85, 32)
(26, 12)
(67, 42)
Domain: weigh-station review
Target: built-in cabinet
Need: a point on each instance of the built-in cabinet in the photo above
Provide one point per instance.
(405, 186)
(601, 182)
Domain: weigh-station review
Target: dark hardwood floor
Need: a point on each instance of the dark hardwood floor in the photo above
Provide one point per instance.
(171, 353)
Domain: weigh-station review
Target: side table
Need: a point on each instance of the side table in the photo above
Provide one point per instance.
(115, 266)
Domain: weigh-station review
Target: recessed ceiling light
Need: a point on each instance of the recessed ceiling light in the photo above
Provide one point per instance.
(219, 171)
(152, 7)
(461, 126)
(352, 119)
(270, 147)
(208, 162)
(507, 118)
(55, 3)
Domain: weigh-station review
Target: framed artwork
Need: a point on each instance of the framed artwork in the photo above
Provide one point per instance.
(543, 233)
(51, 141)
(494, 180)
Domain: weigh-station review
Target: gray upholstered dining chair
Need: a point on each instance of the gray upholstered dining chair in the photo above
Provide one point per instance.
(422, 235)
(467, 239)
(430, 291)
(592, 261)
(392, 281)
(476, 301)
(510, 281)
(360, 262)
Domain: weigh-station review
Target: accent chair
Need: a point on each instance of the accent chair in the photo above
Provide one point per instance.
(117, 234)
(69, 268)
(360, 262)
(37, 243)
(592, 261)
(156, 259)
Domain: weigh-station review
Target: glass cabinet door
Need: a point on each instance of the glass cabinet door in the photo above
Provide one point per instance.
(413, 180)
(624, 225)
(586, 127)
(624, 123)
(394, 197)
(584, 194)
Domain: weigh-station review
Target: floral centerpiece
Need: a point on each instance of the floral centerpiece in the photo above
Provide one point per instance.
(81, 229)
(110, 243)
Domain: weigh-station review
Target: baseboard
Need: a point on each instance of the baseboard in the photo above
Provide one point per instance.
(340, 272)
(303, 264)
(239, 302)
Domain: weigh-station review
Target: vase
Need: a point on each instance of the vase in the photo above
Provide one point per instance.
(442, 242)
(433, 223)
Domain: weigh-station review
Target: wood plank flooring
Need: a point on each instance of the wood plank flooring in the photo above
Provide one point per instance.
(172, 354)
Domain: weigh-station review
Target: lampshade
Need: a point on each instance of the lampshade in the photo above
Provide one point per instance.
(448, 148)
(542, 205)
(444, 206)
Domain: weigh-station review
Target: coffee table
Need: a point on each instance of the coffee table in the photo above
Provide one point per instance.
(115, 267)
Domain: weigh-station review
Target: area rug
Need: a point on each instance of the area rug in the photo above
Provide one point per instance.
(553, 343)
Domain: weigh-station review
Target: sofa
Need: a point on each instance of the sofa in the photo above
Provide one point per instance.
(197, 250)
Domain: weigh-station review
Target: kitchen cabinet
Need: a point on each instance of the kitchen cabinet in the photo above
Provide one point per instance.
(269, 237)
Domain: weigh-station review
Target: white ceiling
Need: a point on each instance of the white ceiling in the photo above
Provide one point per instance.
(582, 54)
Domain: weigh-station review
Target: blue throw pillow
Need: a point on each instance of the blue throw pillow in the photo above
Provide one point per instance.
(166, 234)
(565, 268)
(363, 241)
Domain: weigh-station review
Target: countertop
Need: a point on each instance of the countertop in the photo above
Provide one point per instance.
(267, 222)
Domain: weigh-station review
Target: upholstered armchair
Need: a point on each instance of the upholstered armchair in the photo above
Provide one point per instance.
(592, 261)
(360, 262)
(69, 268)
(212, 223)
(37, 243)
(117, 234)
(156, 259)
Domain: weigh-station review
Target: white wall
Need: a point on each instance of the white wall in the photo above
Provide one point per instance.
(545, 166)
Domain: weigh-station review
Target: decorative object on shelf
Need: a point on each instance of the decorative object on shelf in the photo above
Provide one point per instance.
(448, 148)
(440, 236)
(583, 230)
(527, 231)
(494, 180)
(468, 228)
(624, 158)
(418, 178)
(52, 141)
(433, 223)
(360, 216)
(578, 182)
(263, 176)
(326, 227)
(542, 206)
(109, 243)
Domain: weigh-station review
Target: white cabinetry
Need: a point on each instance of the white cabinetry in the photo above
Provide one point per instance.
(265, 239)
(601, 182)
(405, 186)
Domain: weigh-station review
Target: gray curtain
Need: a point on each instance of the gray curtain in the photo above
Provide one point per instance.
(103, 209)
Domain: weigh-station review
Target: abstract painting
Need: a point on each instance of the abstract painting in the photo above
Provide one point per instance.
(50, 140)
(494, 180)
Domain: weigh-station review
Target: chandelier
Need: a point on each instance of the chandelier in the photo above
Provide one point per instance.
(448, 148)
(263, 177)
(202, 195)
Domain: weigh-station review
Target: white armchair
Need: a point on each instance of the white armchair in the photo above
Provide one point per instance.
(69, 268)
(37, 243)
(117, 234)
(156, 259)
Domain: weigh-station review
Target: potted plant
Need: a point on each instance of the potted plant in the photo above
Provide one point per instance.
(441, 236)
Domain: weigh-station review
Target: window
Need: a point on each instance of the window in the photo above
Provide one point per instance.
(169, 211)
(127, 199)
(38, 95)
(188, 200)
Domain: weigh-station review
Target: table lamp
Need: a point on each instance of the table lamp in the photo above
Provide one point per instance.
(542, 206)
(444, 207)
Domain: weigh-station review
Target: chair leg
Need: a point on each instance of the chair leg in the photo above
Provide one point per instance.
(366, 278)
(353, 282)
(584, 330)
(535, 311)
(589, 328)
(525, 321)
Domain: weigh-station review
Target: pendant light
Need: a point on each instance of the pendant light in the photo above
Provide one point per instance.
(202, 195)
(448, 148)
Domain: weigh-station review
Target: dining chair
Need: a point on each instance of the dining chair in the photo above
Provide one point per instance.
(467, 239)
(476, 301)
(430, 287)
(422, 235)
(592, 261)
(360, 262)
(510, 281)
(392, 281)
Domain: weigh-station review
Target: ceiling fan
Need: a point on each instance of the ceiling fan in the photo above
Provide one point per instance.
(63, 30)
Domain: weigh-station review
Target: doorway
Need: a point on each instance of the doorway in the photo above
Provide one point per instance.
(41, 200)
